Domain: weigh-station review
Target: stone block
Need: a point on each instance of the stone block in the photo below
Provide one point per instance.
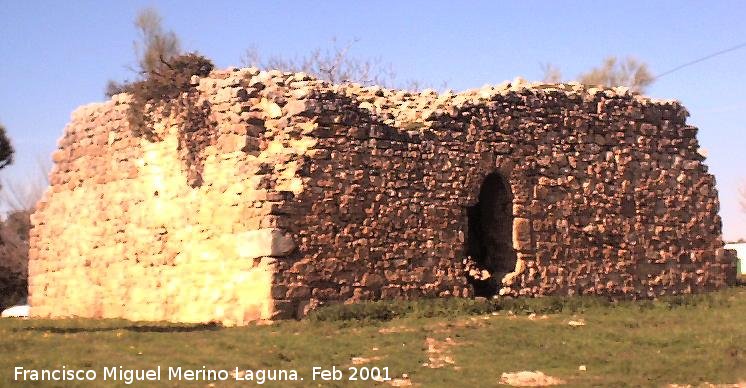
(522, 234)
(271, 242)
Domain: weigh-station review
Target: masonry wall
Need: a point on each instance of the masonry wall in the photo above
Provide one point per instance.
(182, 228)
(610, 195)
(282, 193)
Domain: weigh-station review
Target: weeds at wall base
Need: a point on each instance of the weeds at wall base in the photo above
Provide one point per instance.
(452, 307)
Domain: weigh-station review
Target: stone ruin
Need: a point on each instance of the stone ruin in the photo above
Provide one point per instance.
(291, 193)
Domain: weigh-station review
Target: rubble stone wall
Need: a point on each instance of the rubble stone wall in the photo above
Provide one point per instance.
(305, 193)
(136, 229)
(609, 195)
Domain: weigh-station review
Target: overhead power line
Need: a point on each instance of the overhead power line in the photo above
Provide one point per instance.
(736, 47)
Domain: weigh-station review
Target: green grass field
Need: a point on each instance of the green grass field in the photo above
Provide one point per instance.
(457, 343)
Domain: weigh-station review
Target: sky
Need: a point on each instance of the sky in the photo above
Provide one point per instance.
(56, 56)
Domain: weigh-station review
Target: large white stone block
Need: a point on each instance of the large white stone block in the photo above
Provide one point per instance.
(264, 242)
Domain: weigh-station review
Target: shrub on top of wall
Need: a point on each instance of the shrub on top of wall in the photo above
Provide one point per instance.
(169, 90)
(162, 87)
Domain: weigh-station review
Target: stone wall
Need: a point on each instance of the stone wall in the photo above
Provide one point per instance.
(179, 229)
(295, 193)
(609, 195)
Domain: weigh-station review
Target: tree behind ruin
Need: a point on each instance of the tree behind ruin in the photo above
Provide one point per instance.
(629, 72)
(334, 64)
(155, 49)
(13, 239)
(6, 149)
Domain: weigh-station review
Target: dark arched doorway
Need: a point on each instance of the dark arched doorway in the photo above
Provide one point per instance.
(490, 233)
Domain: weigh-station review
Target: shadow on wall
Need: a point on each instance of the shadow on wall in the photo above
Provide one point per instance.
(489, 235)
(212, 326)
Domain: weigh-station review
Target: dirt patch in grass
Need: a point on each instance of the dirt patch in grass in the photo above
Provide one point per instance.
(438, 352)
(395, 329)
(742, 384)
(529, 379)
